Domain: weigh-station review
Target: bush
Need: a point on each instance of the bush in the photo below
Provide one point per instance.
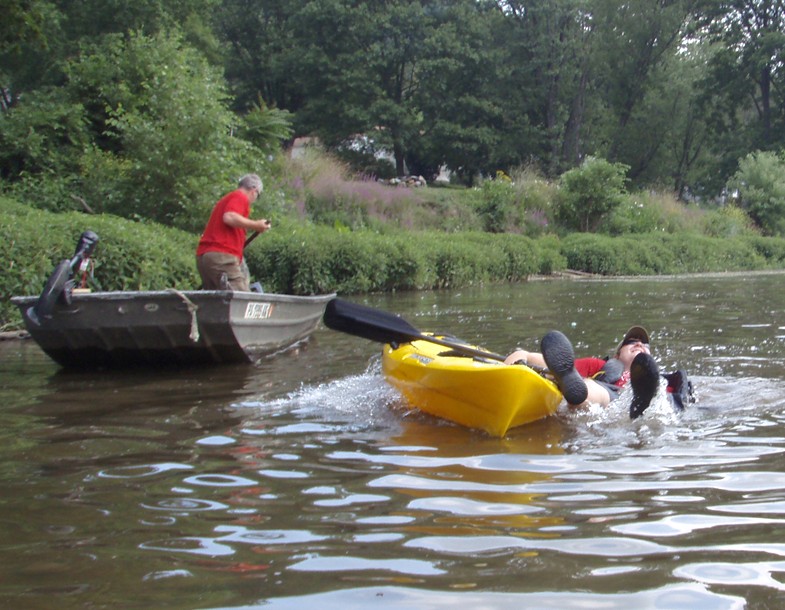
(760, 183)
(497, 200)
(312, 259)
(534, 215)
(604, 255)
(659, 253)
(770, 248)
(129, 255)
(699, 254)
(647, 212)
(727, 221)
(590, 192)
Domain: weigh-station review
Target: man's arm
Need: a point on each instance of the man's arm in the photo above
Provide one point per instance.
(238, 221)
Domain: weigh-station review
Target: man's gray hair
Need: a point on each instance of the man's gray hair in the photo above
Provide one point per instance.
(251, 181)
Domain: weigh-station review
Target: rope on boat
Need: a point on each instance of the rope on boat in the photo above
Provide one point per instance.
(192, 309)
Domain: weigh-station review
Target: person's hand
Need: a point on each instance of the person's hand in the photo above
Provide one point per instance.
(516, 356)
(262, 225)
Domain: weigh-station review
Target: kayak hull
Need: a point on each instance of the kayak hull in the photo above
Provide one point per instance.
(477, 393)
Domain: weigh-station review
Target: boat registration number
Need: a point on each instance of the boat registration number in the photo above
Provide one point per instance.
(258, 311)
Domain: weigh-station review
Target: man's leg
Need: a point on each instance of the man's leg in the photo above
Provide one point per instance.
(213, 265)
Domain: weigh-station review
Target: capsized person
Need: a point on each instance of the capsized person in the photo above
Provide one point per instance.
(600, 380)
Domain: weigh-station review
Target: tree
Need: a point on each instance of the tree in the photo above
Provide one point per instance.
(23, 21)
(162, 132)
(552, 39)
(750, 72)
(262, 54)
(463, 120)
(357, 66)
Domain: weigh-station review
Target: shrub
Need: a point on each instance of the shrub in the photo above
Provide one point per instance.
(590, 192)
(496, 202)
(698, 254)
(129, 255)
(647, 212)
(770, 248)
(760, 183)
(727, 221)
(534, 214)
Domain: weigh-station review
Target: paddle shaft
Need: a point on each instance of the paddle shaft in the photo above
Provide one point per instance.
(459, 347)
(377, 325)
(248, 241)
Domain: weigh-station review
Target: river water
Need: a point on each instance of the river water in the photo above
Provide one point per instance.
(306, 481)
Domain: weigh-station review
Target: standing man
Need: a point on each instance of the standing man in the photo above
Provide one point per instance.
(220, 250)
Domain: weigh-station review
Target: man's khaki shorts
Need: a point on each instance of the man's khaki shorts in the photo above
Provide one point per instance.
(212, 266)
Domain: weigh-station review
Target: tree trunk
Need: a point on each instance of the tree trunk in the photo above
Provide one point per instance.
(571, 145)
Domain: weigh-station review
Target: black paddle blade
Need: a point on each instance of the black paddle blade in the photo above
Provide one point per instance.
(368, 323)
(377, 325)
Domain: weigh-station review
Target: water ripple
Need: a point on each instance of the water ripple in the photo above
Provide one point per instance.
(142, 470)
(672, 597)
(186, 505)
(219, 480)
(721, 573)
(601, 547)
(680, 525)
(351, 564)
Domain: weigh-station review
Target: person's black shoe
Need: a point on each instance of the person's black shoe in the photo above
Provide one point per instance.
(645, 380)
(559, 356)
(679, 389)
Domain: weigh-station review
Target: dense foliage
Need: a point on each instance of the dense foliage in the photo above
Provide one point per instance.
(129, 255)
(147, 109)
(305, 258)
(604, 136)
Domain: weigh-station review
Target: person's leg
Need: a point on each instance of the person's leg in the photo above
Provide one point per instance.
(210, 281)
(213, 265)
(237, 277)
(645, 381)
(560, 358)
(597, 393)
(246, 273)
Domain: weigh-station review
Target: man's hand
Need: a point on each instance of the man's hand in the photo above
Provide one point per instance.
(233, 219)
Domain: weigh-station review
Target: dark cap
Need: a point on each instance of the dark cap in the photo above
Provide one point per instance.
(636, 332)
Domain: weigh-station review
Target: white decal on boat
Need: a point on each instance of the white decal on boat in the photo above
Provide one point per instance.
(258, 311)
(421, 358)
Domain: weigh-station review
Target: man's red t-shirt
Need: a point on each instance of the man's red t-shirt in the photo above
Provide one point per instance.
(220, 237)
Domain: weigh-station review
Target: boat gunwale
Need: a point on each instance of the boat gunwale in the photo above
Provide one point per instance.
(117, 295)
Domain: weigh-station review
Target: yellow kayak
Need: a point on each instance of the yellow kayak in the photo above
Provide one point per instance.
(477, 393)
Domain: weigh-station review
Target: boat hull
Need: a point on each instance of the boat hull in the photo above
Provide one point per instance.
(170, 327)
(482, 394)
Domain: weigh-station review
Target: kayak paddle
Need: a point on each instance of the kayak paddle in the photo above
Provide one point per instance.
(383, 327)
(248, 241)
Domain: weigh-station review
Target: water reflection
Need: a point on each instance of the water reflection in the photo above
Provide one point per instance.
(307, 481)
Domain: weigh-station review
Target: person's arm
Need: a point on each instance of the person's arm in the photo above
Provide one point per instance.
(238, 221)
(529, 358)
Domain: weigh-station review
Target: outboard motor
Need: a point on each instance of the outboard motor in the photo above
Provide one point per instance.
(60, 284)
